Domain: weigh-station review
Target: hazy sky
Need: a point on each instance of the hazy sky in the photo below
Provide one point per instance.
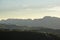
(29, 8)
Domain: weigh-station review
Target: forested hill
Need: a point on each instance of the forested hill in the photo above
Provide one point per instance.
(27, 35)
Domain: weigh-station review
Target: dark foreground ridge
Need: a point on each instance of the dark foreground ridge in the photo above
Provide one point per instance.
(27, 35)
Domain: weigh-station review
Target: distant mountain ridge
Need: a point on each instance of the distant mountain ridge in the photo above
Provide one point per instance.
(47, 21)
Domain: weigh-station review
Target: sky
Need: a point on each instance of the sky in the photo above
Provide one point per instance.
(23, 9)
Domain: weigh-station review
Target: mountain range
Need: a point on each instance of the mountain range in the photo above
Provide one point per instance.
(47, 21)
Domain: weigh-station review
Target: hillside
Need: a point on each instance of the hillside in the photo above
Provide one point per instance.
(24, 35)
(5, 27)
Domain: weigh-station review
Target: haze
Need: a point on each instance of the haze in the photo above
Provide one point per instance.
(29, 8)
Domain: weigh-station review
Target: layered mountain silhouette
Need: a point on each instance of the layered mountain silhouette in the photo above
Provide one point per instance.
(47, 21)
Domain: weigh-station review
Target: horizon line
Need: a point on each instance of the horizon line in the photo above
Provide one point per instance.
(29, 18)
